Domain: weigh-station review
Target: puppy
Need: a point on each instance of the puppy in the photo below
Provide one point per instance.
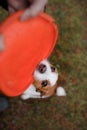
(45, 82)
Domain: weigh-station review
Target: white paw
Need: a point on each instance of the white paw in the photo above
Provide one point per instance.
(60, 91)
(25, 96)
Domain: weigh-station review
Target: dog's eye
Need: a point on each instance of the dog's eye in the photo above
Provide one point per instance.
(44, 83)
(52, 69)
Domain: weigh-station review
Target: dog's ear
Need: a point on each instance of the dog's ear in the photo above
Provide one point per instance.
(60, 91)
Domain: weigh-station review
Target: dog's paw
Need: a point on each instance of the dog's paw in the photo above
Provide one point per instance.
(60, 91)
(25, 96)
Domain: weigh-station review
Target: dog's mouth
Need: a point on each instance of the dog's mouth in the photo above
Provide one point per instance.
(42, 68)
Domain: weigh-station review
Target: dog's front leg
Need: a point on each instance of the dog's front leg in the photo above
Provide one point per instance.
(30, 93)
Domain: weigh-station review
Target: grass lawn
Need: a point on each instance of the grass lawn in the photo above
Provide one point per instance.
(70, 57)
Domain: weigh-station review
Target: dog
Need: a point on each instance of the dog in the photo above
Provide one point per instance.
(45, 82)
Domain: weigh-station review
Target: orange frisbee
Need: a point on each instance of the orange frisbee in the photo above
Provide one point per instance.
(26, 45)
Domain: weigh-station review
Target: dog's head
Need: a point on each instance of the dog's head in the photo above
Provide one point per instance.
(45, 82)
(46, 76)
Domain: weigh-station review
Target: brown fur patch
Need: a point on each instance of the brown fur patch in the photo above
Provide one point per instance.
(47, 90)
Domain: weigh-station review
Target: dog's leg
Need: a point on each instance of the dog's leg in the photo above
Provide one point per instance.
(60, 91)
(30, 93)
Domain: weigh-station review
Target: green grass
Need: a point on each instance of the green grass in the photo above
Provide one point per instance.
(3, 14)
(70, 56)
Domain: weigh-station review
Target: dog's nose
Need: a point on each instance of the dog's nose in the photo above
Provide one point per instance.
(42, 68)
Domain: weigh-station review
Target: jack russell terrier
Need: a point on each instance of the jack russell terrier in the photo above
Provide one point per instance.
(45, 82)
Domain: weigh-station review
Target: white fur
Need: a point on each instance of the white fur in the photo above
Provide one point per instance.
(48, 75)
(60, 91)
(30, 93)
